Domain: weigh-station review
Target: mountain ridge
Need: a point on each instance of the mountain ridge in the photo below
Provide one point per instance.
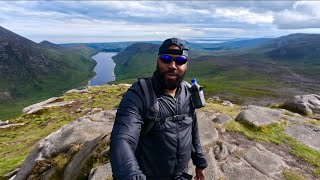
(31, 71)
(244, 72)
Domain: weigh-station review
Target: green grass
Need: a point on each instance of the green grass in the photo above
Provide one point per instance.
(218, 107)
(17, 142)
(226, 77)
(76, 70)
(275, 134)
(292, 175)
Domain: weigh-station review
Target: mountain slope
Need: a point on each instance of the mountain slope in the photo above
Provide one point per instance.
(242, 75)
(30, 71)
(136, 60)
(298, 47)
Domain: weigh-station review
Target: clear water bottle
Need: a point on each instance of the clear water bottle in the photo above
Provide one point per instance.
(197, 96)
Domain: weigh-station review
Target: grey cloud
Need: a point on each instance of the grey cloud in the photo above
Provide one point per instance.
(283, 23)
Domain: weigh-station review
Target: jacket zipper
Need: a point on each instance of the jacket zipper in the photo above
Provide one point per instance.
(177, 133)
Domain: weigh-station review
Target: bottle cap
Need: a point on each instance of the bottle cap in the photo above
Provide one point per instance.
(194, 81)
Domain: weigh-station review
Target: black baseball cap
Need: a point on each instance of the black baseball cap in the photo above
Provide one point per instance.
(164, 48)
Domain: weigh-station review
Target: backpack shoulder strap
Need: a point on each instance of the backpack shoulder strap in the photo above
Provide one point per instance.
(152, 104)
(187, 84)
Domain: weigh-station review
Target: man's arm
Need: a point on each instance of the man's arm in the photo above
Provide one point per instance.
(124, 138)
(197, 155)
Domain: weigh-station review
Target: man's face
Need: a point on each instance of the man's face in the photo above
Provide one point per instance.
(171, 74)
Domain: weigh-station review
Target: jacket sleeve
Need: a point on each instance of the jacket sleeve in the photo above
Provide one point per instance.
(197, 155)
(125, 136)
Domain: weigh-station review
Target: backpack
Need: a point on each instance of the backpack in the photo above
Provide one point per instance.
(152, 102)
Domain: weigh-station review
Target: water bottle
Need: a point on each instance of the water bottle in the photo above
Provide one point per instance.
(197, 96)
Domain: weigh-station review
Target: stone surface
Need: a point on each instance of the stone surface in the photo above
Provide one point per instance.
(242, 171)
(264, 161)
(85, 90)
(81, 131)
(214, 98)
(101, 172)
(12, 173)
(208, 133)
(57, 104)
(259, 116)
(78, 161)
(212, 171)
(306, 134)
(223, 149)
(11, 125)
(227, 103)
(2, 123)
(304, 104)
(26, 109)
(222, 119)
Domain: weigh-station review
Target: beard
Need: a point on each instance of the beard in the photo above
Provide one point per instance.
(170, 84)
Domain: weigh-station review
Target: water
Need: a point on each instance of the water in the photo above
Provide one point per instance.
(104, 69)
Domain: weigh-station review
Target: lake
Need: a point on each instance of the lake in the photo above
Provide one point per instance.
(104, 69)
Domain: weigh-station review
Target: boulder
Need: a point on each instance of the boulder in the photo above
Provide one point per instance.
(85, 90)
(77, 133)
(212, 171)
(101, 172)
(214, 98)
(11, 125)
(26, 109)
(227, 103)
(2, 123)
(242, 171)
(207, 132)
(304, 104)
(222, 119)
(264, 161)
(78, 162)
(57, 104)
(306, 134)
(259, 116)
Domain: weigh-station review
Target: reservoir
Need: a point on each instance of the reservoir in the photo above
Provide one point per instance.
(104, 69)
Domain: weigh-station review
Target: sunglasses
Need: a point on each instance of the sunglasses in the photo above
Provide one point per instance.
(167, 59)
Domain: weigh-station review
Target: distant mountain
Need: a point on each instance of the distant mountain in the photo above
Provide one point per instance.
(31, 71)
(294, 46)
(244, 75)
(48, 44)
(231, 44)
(136, 60)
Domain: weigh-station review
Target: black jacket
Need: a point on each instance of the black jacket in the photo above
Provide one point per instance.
(166, 150)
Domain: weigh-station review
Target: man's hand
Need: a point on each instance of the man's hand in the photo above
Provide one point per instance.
(199, 174)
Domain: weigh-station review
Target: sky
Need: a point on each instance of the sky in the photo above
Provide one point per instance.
(112, 21)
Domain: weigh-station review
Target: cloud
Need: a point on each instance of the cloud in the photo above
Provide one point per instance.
(304, 14)
(60, 21)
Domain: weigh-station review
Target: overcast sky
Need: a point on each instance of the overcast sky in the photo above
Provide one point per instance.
(109, 21)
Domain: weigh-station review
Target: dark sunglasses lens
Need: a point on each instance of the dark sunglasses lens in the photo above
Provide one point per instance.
(165, 59)
(181, 60)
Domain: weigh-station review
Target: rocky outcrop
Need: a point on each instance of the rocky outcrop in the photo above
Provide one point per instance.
(259, 116)
(304, 104)
(82, 147)
(264, 161)
(45, 104)
(306, 134)
(222, 119)
(67, 141)
(2, 123)
(101, 172)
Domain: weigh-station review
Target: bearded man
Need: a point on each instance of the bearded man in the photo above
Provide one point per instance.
(162, 151)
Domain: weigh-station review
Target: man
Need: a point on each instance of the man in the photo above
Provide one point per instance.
(164, 151)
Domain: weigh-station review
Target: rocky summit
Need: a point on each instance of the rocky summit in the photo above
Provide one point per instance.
(245, 143)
